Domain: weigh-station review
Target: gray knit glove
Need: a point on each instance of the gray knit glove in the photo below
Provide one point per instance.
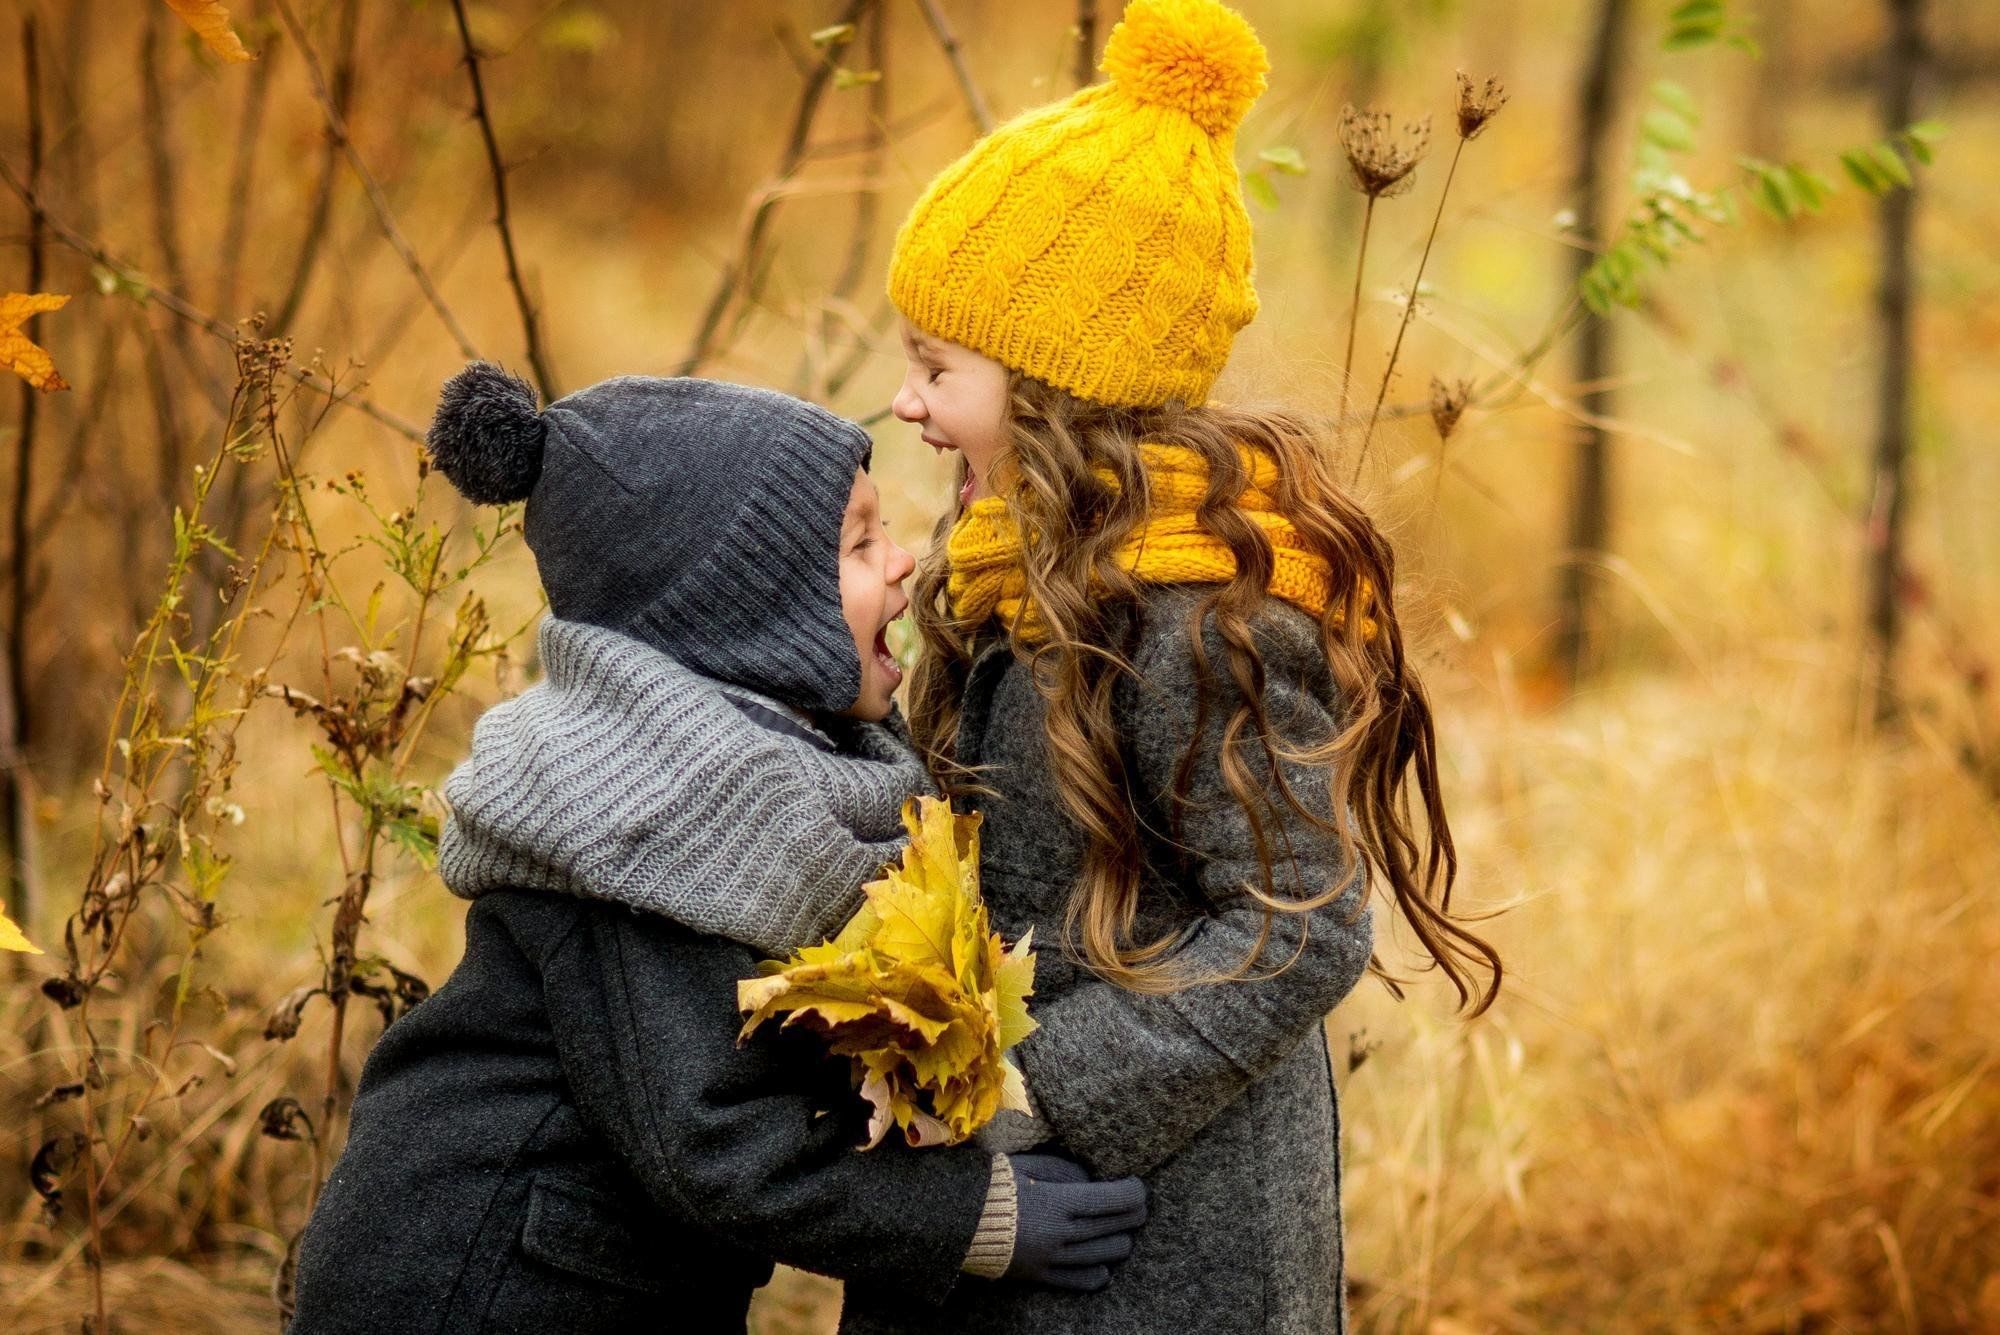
(1069, 1230)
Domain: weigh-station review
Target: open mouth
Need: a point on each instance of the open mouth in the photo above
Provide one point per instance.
(885, 658)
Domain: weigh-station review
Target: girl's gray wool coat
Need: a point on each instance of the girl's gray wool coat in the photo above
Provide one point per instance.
(1220, 1096)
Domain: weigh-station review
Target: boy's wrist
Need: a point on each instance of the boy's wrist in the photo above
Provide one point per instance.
(992, 1249)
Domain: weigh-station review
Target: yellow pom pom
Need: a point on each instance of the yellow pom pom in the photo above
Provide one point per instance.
(1193, 55)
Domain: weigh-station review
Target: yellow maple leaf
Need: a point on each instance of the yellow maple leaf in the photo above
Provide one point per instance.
(13, 938)
(210, 21)
(17, 352)
(915, 989)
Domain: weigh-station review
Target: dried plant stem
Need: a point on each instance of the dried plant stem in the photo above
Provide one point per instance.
(538, 357)
(867, 208)
(242, 176)
(1409, 308)
(336, 125)
(1086, 42)
(320, 211)
(186, 311)
(1354, 308)
(737, 277)
(20, 897)
(954, 55)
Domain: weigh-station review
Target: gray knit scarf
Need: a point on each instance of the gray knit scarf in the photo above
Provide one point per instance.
(625, 776)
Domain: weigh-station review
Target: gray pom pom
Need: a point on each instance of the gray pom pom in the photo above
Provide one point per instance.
(487, 435)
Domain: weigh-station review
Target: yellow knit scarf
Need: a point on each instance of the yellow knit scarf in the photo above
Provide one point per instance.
(1169, 548)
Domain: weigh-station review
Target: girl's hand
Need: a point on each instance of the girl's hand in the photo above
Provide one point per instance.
(1069, 1230)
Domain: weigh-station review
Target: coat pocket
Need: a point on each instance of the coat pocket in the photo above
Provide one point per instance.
(577, 1266)
(581, 1232)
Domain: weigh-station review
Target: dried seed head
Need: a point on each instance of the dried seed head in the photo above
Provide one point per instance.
(1448, 403)
(1475, 108)
(1381, 158)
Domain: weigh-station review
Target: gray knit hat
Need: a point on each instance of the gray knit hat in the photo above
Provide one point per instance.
(698, 517)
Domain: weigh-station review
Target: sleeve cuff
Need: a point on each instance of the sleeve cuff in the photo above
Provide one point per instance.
(992, 1249)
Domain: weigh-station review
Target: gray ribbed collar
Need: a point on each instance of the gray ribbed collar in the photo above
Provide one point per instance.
(625, 776)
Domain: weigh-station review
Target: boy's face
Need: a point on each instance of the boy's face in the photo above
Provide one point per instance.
(872, 571)
(959, 398)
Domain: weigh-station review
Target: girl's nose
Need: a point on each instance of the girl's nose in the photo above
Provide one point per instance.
(906, 405)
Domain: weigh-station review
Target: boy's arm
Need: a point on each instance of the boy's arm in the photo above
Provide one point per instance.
(1126, 1079)
(732, 1138)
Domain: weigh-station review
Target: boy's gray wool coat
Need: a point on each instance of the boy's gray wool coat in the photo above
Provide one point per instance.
(1219, 1096)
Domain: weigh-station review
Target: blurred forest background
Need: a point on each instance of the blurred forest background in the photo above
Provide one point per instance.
(1696, 526)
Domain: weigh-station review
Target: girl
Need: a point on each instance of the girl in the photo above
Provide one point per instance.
(1162, 659)
(567, 1136)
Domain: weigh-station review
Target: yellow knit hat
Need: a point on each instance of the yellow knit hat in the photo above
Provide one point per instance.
(1100, 243)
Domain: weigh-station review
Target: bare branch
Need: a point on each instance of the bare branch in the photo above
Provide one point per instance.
(738, 276)
(194, 315)
(948, 42)
(336, 126)
(538, 357)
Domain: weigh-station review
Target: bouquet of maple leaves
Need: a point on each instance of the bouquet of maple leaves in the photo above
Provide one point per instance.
(915, 990)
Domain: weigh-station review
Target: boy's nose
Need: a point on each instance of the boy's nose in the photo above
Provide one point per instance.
(907, 406)
(901, 563)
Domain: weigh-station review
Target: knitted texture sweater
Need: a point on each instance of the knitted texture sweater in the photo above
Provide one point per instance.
(625, 776)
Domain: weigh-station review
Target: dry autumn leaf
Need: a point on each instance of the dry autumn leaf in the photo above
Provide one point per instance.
(13, 938)
(915, 990)
(17, 352)
(210, 21)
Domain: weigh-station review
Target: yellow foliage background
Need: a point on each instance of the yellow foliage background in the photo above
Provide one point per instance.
(1743, 1074)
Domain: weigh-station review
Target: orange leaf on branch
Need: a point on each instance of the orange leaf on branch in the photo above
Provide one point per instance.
(210, 21)
(18, 353)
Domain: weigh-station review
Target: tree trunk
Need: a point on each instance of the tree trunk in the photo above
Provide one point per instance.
(1894, 297)
(1590, 482)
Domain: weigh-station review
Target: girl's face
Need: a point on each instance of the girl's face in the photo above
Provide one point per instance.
(872, 571)
(959, 398)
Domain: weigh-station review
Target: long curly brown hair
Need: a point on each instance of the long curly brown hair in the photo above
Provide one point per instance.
(1072, 523)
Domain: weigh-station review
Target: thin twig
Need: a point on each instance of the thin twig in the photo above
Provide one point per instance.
(160, 155)
(336, 126)
(538, 358)
(194, 315)
(867, 205)
(738, 274)
(242, 176)
(1354, 306)
(1086, 42)
(1409, 308)
(320, 210)
(948, 41)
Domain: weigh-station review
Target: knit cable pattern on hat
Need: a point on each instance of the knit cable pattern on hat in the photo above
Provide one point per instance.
(1101, 243)
(1171, 547)
(626, 777)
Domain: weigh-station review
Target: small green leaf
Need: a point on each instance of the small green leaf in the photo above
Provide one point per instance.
(1891, 164)
(1677, 98)
(1260, 188)
(1285, 158)
(1683, 39)
(1697, 11)
(1667, 129)
(1747, 44)
(1811, 187)
(837, 35)
(847, 78)
(1861, 170)
(1926, 132)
